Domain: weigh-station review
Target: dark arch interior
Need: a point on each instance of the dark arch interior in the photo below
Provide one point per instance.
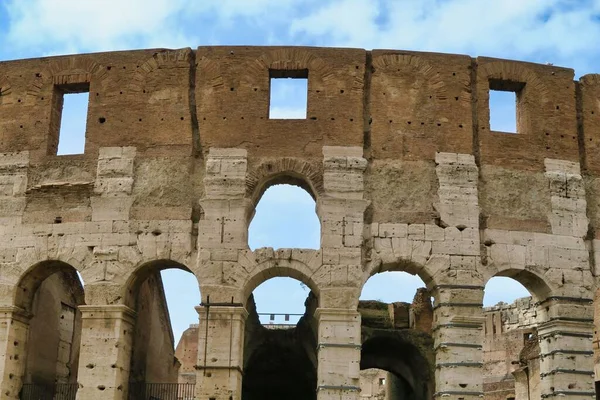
(153, 348)
(280, 363)
(52, 292)
(410, 371)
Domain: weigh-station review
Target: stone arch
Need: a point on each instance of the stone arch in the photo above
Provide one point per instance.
(533, 280)
(426, 271)
(50, 293)
(516, 72)
(291, 171)
(32, 279)
(295, 58)
(210, 72)
(142, 272)
(590, 79)
(66, 70)
(421, 67)
(266, 264)
(179, 57)
(407, 354)
(5, 90)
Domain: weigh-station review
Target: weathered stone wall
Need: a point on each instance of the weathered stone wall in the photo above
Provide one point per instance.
(508, 329)
(398, 153)
(55, 332)
(153, 356)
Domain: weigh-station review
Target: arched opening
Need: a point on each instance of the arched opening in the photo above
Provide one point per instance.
(280, 360)
(164, 349)
(397, 356)
(285, 217)
(51, 293)
(511, 350)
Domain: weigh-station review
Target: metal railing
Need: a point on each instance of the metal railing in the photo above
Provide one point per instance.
(278, 320)
(161, 391)
(58, 391)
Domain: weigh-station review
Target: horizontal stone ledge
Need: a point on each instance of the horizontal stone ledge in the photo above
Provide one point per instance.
(566, 371)
(460, 364)
(457, 393)
(566, 333)
(219, 367)
(457, 325)
(572, 352)
(478, 305)
(567, 299)
(340, 345)
(209, 304)
(338, 387)
(562, 393)
(570, 319)
(463, 345)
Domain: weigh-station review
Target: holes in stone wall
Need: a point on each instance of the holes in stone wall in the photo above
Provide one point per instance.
(288, 97)
(69, 118)
(504, 99)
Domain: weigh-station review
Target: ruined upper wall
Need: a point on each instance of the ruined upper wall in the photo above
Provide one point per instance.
(401, 107)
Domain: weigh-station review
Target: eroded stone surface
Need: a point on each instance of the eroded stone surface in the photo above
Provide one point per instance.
(398, 154)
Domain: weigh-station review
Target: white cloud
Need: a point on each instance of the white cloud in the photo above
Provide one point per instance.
(71, 26)
(527, 29)
(59, 25)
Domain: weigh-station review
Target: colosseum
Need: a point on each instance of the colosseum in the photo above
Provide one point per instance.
(397, 151)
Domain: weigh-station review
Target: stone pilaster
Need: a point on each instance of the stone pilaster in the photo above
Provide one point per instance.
(458, 312)
(341, 211)
(114, 183)
(458, 199)
(458, 342)
(13, 184)
(220, 352)
(105, 356)
(14, 328)
(567, 197)
(223, 230)
(566, 355)
(339, 344)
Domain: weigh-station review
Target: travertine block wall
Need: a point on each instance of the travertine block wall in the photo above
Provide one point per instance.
(398, 153)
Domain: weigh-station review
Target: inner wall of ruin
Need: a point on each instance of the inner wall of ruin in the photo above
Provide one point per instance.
(398, 153)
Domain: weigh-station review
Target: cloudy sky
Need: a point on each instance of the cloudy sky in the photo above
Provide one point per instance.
(562, 32)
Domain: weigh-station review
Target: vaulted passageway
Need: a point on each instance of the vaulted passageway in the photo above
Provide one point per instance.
(280, 359)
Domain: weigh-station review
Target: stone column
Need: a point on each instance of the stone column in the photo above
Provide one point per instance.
(338, 372)
(566, 354)
(458, 313)
(458, 342)
(105, 357)
(220, 352)
(14, 328)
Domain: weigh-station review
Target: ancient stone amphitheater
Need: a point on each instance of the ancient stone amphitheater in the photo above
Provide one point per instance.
(407, 175)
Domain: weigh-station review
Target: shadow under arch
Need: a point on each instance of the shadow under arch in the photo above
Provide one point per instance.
(408, 355)
(51, 292)
(32, 279)
(142, 273)
(533, 282)
(277, 360)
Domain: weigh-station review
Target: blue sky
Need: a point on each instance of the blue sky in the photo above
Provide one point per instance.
(562, 32)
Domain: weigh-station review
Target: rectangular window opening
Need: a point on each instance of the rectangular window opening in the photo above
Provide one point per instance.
(504, 106)
(288, 98)
(72, 106)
